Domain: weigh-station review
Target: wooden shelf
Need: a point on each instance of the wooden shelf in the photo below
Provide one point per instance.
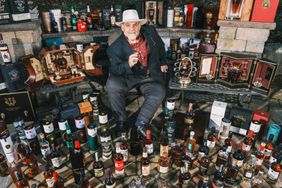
(22, 26)
(241, 24)
(88, 35)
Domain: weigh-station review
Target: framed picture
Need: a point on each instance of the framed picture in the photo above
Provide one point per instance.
(235, 70)
(207, 68)
(263, 75)
(16, 104)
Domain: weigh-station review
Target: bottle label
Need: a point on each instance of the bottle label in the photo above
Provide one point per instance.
(103, 119)
(98, 172)
(111, 186)
(10, 157)
(50, 182)
(272, 160)
(7, 145)
(56, 161)
(145, 170)
(255, 127)
(3, 86)
(210, 144)
(45, 150)
(248, 174)
(150, 148)
(267, 152)
(62, 125)
(170, 105)
(273, 175)
(5, 54)
(163, 151)
(259, 162)
(106, 150)
(170, 18)
(236, 162)
(201, 154)
(229, 149)
(48, 128)
(31, 133)
(124, 153)
(119, 167)
(80, 123)
(246, 147)
(105, 139)
(92, 132)
(163, 169)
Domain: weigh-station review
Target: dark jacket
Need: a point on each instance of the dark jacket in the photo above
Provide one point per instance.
(120, 50)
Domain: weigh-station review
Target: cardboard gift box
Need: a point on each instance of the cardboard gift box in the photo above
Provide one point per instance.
(235, 9)
(240, 120)
(61, 67)
(263, 118)
(207, 68)
(235, 70)
(264, 73)
(264, 10)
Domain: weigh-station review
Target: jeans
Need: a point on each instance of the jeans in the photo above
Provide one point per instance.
(152, 91)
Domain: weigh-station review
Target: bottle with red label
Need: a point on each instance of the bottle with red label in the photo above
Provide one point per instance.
(58, 183)
(229, 143)
(119, 164)
(238, 157)
(268, 147)
(247, 143)
(81, 26)
(211, 139)
(259, 157)
(149, 143)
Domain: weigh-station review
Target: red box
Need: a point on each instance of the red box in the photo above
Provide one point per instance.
(264, 10)
(264, 118)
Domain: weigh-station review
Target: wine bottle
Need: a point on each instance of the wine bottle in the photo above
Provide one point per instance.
(145, 164)
(110, 181)
(98, 166)
(92, 137)
(106, 142)
(149, 143)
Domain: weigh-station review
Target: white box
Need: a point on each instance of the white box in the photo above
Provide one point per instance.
(217, 113)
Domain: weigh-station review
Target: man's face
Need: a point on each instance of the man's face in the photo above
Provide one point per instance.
(131, 30)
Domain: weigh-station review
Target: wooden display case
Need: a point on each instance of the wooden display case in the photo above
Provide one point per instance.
(263, 75)
(207, 68)
(235, 70)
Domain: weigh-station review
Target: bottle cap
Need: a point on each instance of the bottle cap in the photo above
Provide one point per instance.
(76, 144)
(148, 134)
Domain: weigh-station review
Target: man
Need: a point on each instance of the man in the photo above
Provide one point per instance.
(137, 58)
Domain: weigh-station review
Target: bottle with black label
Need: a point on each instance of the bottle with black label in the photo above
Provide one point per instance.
(19, 10)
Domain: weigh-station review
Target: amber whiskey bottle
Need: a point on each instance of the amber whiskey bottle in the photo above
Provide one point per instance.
(145, 164)
(98, 166)
(149, 143)
(238, 157)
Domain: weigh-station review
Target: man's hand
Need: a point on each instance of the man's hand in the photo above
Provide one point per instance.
(133, 59)
(164, 68)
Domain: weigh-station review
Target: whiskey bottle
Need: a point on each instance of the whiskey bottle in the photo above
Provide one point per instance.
(106, 16)
(73, 19)
(4, 51)
(7, 146)
(68, 137)
(62, 125)
(4, 169)
(48, 176)
(255, 127)
(98, 166)
(249, 169)
(113, 17)
(32, 165)
(57, 182)
(170, 14)
(80, 129)
(18, 124)
(219, 178)
(203, 150)
(247, 143)
(110, 181)
(44, 146)
(119, 164)
(204, 165)
(268, 147)
(191, 143)
(145, 164)
(77, 161)
(171, 129)
(204, 182)
(21, 150)
(103, 118)
(211, 139)
(18, 176)
(83, 182)
(259, 157)
(224, 133)
(48, 129)
(164, 143)
(222, 157)
(92, 136)
(106, 142)
(231, 173)
(31, 136)
(135, 143)
(56, 157)
(89, 18)
(229, 143)
(185, 176)
(238, 157)
(163, 164)
(123, 148)
(149, 143)
(274, 172)
(275, 155)
(190, 115)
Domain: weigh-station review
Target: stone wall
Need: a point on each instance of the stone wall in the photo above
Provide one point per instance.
(22, 39)
(243, 37)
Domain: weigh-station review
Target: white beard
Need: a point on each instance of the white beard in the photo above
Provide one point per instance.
(132, 37)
